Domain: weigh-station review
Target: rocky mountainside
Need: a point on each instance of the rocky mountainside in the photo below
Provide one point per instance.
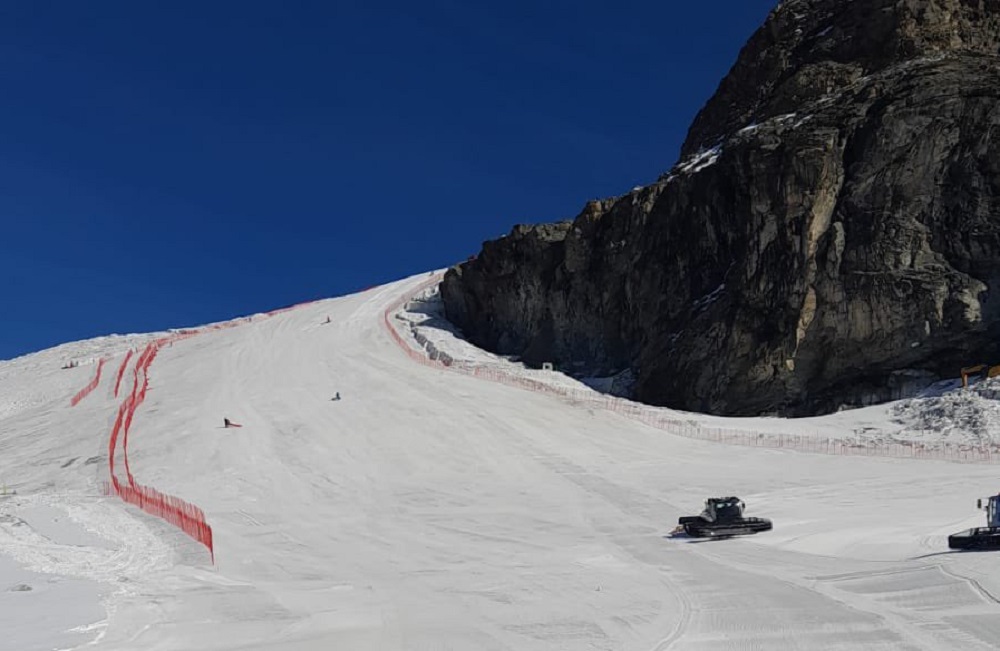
(831, 235)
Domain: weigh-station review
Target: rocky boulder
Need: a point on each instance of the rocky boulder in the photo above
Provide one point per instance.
(831, 235)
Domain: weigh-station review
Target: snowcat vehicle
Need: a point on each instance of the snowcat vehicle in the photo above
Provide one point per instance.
(987, 537)
(722, 518)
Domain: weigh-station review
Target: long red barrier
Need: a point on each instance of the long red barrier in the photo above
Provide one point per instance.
(121, 370)
(87, 390)
(186, 516)
(135, 399)
(281, 310)
(669, 421)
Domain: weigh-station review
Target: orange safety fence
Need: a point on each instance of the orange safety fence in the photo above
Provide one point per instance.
(183, 515)
(87, 390)
(121, 370)
(289, 308)
(186, 516)
(674, 423)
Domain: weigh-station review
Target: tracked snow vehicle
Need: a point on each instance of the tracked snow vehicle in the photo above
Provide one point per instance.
(722, 517)
(987, 537)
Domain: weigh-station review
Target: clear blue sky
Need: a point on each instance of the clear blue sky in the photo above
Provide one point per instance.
(172, 163)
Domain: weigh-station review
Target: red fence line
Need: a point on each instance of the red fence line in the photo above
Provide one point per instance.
(669, 422)
(121, 370)
(136, 398)
(187, 517)
(87, 390)
(289, 308)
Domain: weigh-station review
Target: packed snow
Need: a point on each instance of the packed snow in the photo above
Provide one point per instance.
(429, 509)
(700, 161)
(971, 415)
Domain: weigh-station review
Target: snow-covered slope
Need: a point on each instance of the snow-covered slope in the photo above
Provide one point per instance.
(428, 509)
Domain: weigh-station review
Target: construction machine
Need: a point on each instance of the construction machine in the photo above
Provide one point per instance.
(721, 518)
(987, 537)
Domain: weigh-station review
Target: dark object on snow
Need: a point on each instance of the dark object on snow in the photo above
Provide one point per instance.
(336, 397)
(722, 517)
(987, 537)
(229, 423)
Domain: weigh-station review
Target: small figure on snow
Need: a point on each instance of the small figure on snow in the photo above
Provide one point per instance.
(336, 397)
(226, 422)
(327, 321)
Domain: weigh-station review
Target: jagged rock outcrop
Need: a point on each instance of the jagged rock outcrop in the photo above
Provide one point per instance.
(831, 235)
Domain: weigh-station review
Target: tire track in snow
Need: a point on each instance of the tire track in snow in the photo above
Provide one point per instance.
(636, 506)
(682, 624)
(974, 584)
(894, 622)
(878, 593)
(133, 551)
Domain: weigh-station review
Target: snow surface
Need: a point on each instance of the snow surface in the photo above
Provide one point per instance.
(971, 415)
(431, 510)
(702, 160)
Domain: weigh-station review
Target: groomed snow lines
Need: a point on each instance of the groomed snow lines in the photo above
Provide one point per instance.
(185, 516)
(182, 514)
(667, 421)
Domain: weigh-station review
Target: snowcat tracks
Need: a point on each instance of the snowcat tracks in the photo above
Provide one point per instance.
(978, 538)
(702, 529)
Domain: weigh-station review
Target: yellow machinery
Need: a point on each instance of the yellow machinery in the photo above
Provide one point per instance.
(981, 371)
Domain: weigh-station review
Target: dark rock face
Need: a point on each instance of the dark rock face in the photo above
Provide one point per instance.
(831, 232)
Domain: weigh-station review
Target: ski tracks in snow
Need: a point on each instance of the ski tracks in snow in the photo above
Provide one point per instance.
(98, 540)
(83, 537)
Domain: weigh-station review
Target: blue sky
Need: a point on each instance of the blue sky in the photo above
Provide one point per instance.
(174, 163)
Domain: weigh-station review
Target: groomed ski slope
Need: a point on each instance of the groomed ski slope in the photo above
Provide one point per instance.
(428, 510)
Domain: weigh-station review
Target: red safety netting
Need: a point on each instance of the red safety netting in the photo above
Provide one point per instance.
(87, 390)
(121, 370)
(184, 515)
(187, 517)
(673, 423)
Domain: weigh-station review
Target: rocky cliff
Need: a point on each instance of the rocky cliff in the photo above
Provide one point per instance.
(831, 235)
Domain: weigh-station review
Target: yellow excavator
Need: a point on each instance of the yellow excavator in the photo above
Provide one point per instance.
(980, 371)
